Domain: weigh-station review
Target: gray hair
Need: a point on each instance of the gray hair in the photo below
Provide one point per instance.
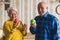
(11, 9)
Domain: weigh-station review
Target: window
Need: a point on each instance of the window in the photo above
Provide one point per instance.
(7, 4)
(7, 0)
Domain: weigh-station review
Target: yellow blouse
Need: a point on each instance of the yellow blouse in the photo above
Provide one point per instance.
(13, 35)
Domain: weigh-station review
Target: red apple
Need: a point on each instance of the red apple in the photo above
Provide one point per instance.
(16, 20)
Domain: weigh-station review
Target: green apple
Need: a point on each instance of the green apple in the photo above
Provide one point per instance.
(33, 21)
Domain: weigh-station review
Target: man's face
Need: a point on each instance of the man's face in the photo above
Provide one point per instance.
(42, 9)
(12, 15)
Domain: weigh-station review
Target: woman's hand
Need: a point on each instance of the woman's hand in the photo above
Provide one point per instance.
(16, 22)
(24, 27)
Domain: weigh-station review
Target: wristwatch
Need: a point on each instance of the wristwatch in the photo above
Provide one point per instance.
(58, 9)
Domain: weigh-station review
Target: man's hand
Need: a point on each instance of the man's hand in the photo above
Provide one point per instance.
(33, 25)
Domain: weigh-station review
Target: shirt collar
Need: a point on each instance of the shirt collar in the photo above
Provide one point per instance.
(45, 15)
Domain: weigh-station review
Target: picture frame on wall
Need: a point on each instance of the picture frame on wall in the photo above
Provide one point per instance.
(58, 9)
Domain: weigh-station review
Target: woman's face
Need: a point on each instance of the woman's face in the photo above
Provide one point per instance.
(12, 15)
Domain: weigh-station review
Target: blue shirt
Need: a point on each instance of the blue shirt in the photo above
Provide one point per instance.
(46, 28)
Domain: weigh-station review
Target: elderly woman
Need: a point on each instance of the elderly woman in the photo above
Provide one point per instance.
(13, 28)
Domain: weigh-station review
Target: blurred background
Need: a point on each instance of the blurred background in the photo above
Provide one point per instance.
(27, 10)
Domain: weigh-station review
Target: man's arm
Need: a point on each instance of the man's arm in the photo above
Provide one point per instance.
(33, 27)
(54, 34)
(32, 30)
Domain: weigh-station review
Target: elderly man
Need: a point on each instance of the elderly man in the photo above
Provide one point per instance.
(46, 24)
